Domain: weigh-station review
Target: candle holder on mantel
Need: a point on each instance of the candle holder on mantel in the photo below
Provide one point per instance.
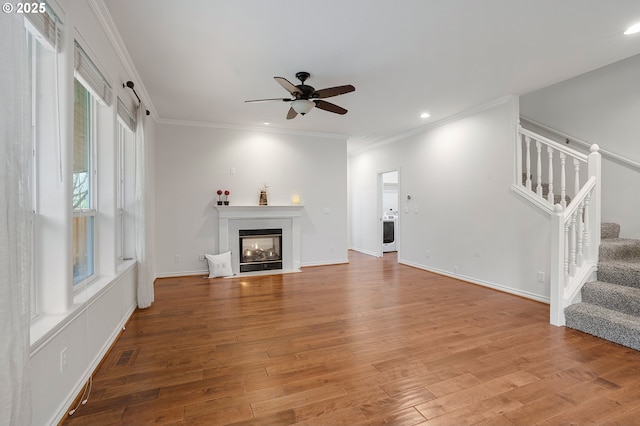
(226, 197)
(263, 196)
(219, 192)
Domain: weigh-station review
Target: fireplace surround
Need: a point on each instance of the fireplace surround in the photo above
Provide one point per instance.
(232, 219)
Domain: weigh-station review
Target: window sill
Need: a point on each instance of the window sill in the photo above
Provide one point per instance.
(44, 327)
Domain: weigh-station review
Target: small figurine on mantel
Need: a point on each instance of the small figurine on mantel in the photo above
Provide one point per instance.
(263, 195)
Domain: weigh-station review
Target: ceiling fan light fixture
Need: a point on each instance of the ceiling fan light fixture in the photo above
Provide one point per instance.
(302, 106)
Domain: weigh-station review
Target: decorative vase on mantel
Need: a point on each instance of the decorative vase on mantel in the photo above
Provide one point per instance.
(263, 196)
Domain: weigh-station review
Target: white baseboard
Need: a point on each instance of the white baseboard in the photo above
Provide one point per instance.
(525, 294)
(66, 406)
(326, 263)
(363, 251)
(204, 272)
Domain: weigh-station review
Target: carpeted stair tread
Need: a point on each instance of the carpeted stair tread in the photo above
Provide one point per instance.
(620, 248)
(612, 296)
(609, 230)
(622, 272)
(605, 323)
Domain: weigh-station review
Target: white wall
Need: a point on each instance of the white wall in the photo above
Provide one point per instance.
(602, 107)
(462, 218)
(88, 324)
(192, 162)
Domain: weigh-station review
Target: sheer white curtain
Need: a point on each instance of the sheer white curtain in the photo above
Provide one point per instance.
(15, 223)
(143, 215)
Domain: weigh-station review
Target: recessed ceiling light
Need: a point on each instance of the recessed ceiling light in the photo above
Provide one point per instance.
(425, 115)
(633, 29)
(266, 123)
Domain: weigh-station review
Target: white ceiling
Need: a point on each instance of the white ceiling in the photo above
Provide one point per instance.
(199, 60)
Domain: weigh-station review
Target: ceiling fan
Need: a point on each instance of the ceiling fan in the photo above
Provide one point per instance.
(305, 97)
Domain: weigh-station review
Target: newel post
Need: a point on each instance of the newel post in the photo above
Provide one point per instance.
(556, 279)
(594, 163)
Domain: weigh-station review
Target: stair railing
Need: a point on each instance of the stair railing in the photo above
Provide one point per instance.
(575, 217)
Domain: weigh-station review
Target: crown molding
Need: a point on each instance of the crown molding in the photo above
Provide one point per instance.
(103, 15)
(228, 126)
(466, 113)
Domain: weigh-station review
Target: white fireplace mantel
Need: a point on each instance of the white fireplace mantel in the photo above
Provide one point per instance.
(233, 218)
(258, 212)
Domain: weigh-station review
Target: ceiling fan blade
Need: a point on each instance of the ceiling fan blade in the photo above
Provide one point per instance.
(272, 99)
(291, 114)
(288, 86)
(328, 106)
(333, 91)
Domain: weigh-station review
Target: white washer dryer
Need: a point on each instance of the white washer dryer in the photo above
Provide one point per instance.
(389, 233)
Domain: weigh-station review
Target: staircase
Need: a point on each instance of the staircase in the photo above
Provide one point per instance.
(610, 307)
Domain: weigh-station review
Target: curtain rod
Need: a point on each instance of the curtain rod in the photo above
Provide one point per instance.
(129, 84)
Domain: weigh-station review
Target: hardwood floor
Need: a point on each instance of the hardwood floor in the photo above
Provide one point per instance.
(371, 342)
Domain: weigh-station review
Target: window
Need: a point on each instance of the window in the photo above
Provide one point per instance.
(120, 191)
(125, 168)
(44, 31)
(83, 185)
(32, 64)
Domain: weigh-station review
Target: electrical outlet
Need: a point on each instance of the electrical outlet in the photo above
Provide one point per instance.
(63, 360)
(455, 269)
(540, 276)
(178, 258)
(201, 258)
(428, 254)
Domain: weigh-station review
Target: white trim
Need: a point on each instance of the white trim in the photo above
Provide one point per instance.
(530, 196)
(103, 16)
(610, 155)
(47, 327)
(557, 146)
(464, 114)
(364, 251)
(233, 218)
(325, 263)
(476, 281)
(230, 126)
(63, 409)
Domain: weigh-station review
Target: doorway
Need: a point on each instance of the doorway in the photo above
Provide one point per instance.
(388, 208)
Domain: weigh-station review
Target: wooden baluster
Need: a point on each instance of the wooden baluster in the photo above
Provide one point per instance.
(587, 235)
(527, 141)
(580, 234)
(539, 168)
(572, 242)
(563, 180)
(550, 196)
(566, 251)
(576, 179)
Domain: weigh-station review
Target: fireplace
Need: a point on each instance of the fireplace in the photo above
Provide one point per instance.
(231, 219)
(260, 249)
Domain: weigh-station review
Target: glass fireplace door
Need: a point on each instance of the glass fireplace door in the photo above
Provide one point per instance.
(260, 249)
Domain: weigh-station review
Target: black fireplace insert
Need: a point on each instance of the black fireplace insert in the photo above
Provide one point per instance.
(260, 249)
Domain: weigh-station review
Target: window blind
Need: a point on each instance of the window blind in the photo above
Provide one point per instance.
(46, 27)
(90, 75)
(127, 114)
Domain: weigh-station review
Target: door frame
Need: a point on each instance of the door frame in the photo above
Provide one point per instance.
(380, 213)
